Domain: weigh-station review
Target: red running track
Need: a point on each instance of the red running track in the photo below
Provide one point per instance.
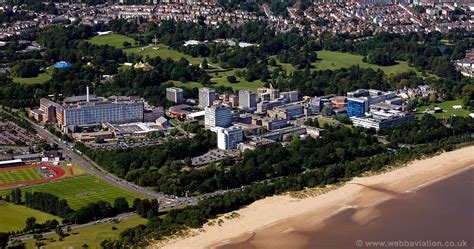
(58, 174)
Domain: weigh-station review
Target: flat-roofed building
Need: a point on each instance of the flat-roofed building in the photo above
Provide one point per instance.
(206, 96)
(247, 99)
(217, 116)
(288, 112)
(381, 119)
(229, 138)
(90, 113)
(174, 94)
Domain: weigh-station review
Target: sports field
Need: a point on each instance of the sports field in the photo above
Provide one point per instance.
(12, 217)
(19, 175)
(29, 174)
(114, 40)
(81, 190)
(90, 235)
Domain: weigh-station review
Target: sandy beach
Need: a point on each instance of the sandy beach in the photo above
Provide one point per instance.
(278, 214)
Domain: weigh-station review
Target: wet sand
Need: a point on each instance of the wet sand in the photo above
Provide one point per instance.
(441, 212)
(342, 216)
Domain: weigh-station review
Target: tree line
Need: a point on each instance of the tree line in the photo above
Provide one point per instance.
(195, 216)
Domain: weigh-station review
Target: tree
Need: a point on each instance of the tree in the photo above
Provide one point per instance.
(59, 232)
(126, 44)
(232, 79)
(121, 205)
(3, 240)
(327, 111)
(99, 140)
(26, 69)
(30, 224)
(204, 65)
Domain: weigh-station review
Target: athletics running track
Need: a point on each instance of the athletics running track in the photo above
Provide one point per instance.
(58, 174)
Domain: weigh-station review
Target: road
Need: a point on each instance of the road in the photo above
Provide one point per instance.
(166, 201)
(73, 227)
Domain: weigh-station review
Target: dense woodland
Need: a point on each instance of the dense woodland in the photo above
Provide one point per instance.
(144, 166)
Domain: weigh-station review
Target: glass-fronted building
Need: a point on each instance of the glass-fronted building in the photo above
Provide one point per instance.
(88, 114)
(356, 107)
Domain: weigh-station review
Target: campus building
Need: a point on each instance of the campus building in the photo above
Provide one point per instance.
(88, 114)
(288, 112)
(229, 138)
(359, 101)
(87, 110)
(381, 119)
(247, 99)
(217, 116)
(175, 94)
(206, 96)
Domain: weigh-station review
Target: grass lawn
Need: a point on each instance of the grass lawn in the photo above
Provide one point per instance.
(447, 107)
(219, 78)
(13, 216)
(90, 235)
(81, 190)
(19, 175)
(114, 40)
(335, 60)
(163, 51)
(40, 79)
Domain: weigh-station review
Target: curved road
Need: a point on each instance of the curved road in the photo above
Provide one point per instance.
(94, 169)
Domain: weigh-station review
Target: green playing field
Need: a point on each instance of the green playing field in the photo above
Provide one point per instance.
(19, 175)
(80, 190)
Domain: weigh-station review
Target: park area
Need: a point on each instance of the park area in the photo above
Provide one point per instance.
(40, 79)
(24, 175)
(114, 40)
(447, 109)
(13, 216)
(80, 190)
(92, 235)
(327, 60)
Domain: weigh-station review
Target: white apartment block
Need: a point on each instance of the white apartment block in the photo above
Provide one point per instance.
(217, 116)
(206, 96)
(229, 138)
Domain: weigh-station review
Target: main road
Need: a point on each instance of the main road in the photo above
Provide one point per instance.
(166, 201)
(96, 170)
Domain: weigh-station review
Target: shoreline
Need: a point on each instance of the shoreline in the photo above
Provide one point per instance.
(359, 193)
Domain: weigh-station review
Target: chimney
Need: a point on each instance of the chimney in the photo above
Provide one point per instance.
(87, 94)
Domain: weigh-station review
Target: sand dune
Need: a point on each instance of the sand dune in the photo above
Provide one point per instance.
(278, 214)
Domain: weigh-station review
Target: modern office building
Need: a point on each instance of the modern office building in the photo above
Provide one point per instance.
(229, 138)
(206, 96)
(291, 96)
(381, 119)
(247, 99)
(272, 124)
(358, 101)
(87, 110)
(357, 106)
(288, 112)
(175, 94)
(217, 116)
(94, 113)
